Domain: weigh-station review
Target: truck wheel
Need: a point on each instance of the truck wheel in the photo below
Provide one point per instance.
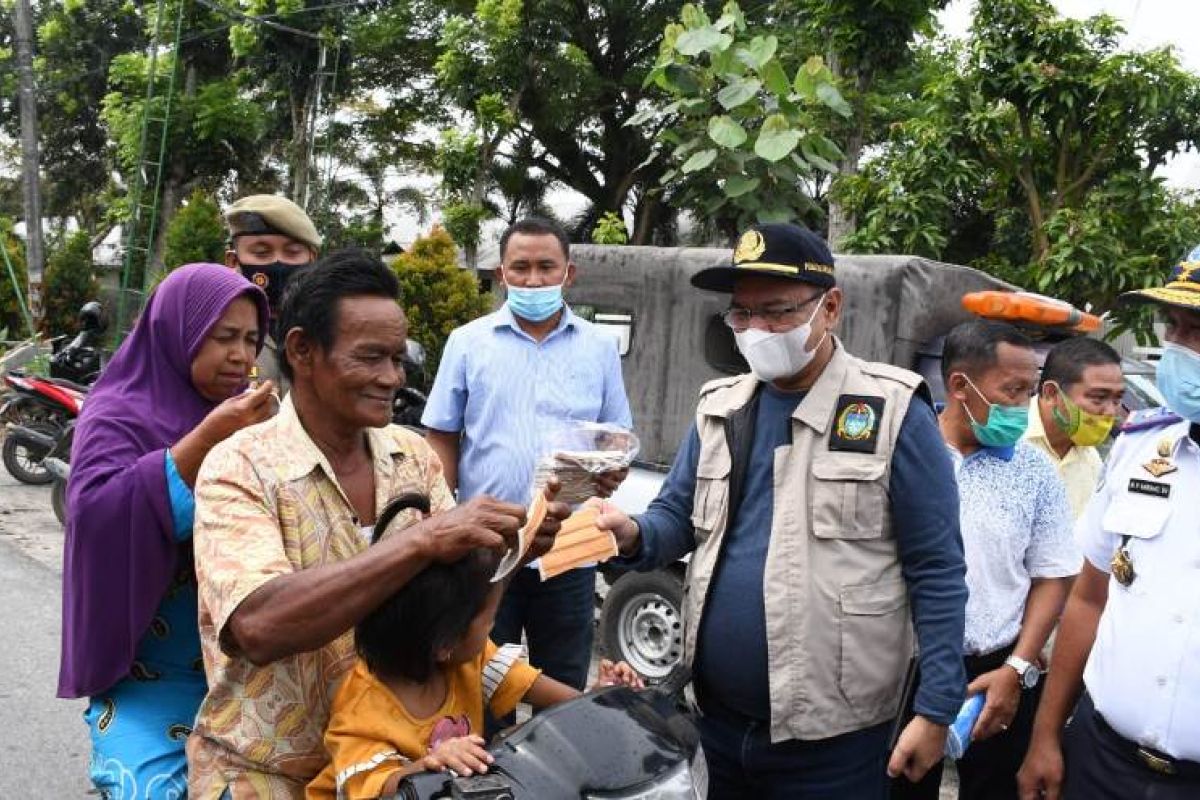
(58, 500)
(24, 464)
(642, 622)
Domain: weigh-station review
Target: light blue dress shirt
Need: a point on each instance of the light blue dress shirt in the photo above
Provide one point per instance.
(507, 394)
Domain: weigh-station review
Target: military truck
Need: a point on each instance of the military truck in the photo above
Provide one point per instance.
(672, 340)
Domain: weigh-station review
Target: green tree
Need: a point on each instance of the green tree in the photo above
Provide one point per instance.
(610, 230)
(438, 296)
(76, 42)
(496, 64)
(215, 129)
(197, 233)
(1034, 157)
(742, 127)
(69, 282)
(869, 47)
(11, 317)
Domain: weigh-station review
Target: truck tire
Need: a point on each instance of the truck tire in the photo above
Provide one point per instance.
(641, 622)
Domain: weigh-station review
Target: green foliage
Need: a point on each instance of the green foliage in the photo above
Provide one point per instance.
(742, 125)
(463, 222)
(11, 317)
(436, 294)
(68, 283)
(1034, 155)
(196, 233)
(563, 77)
(610, 230)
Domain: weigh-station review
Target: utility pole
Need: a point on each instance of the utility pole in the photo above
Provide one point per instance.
(30, 182)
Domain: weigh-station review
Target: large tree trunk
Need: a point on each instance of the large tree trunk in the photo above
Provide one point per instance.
(841, 222)
(31, 182)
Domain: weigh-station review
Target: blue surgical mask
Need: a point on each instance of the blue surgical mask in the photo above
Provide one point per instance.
(1004, 426)
(535, 305)
(1178, 378)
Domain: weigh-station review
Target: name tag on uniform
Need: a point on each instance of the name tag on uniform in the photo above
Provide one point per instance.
(856, 423)
(1152, 488)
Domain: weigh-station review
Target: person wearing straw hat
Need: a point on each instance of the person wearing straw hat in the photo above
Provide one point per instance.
(1125, 660)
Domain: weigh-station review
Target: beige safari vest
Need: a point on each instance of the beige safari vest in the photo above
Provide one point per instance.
(839, 632)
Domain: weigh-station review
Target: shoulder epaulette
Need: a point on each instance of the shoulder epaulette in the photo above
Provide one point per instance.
(1149, 418)
(719, 383)
(891, 372)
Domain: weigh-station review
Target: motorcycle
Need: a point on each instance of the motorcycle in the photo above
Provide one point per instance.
(80, 361)
(616, 743)
(41, 406)
(45, 405)
(409, 403)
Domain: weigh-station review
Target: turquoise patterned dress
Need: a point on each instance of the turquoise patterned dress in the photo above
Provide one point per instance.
(139, 727)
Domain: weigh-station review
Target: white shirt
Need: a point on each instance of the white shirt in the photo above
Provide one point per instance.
(1144, 669)
(1016, 526)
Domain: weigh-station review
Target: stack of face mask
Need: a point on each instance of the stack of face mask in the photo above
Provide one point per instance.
(579, 542)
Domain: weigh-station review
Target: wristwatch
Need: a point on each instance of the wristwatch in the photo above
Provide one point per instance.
(1027, 673)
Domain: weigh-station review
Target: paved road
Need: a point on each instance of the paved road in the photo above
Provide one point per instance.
(43, 743)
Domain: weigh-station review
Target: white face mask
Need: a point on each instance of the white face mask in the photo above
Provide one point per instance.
(779, 355)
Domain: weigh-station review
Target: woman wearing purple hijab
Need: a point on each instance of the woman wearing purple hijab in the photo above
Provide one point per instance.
(130, 641)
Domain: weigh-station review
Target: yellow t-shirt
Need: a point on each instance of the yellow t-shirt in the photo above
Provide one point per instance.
(371, 734)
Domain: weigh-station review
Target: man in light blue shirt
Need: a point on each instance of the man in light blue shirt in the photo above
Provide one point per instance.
(506, 382)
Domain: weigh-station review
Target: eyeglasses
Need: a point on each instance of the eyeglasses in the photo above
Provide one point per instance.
(776, 316)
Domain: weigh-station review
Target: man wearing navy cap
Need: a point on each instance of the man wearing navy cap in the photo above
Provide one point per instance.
(819, 505)
(1129, 640)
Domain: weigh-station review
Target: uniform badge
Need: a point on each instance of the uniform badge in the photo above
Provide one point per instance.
(1121, 566)
(1164, 447)
(1159, 466)
(856, 423)
(1152, 488)
(750, 247)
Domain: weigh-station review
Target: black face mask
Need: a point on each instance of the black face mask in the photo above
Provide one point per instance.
(271, 278)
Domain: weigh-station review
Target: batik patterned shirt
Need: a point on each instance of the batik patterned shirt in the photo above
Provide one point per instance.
(268, 505)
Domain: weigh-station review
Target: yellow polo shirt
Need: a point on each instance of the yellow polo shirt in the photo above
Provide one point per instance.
(1079, 469)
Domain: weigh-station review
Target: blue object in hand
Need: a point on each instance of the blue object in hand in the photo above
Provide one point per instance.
(958, 738)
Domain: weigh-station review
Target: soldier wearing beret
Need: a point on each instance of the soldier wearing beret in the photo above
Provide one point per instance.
(269, 238)
(820, 509)
(1125, 661)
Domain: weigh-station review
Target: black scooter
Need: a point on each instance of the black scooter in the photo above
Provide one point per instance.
(615, 743)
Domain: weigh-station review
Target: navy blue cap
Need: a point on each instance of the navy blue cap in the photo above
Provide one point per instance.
(775, 250)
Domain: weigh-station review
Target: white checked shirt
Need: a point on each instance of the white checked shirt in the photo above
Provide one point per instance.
(1016, 526)
(1144, 668)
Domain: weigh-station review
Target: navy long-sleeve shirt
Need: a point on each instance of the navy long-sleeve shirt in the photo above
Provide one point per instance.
(731, 660)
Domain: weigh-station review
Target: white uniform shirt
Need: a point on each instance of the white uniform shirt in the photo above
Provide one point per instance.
(1144, 669)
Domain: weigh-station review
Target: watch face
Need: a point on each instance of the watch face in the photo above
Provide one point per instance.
(1029, 678)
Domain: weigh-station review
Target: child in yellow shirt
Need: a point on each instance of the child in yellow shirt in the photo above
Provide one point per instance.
(415, 697)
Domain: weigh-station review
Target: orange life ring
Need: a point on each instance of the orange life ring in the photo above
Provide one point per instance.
(1030, 308)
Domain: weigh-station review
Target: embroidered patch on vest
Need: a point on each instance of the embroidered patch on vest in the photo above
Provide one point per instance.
(856, 423)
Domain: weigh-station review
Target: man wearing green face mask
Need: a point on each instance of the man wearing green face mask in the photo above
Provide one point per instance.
(1016, 529)
(1075, 410)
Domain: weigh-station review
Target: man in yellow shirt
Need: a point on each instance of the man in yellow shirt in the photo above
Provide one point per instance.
(1075, 410)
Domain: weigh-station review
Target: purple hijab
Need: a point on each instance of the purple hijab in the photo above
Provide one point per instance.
(121, 553)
